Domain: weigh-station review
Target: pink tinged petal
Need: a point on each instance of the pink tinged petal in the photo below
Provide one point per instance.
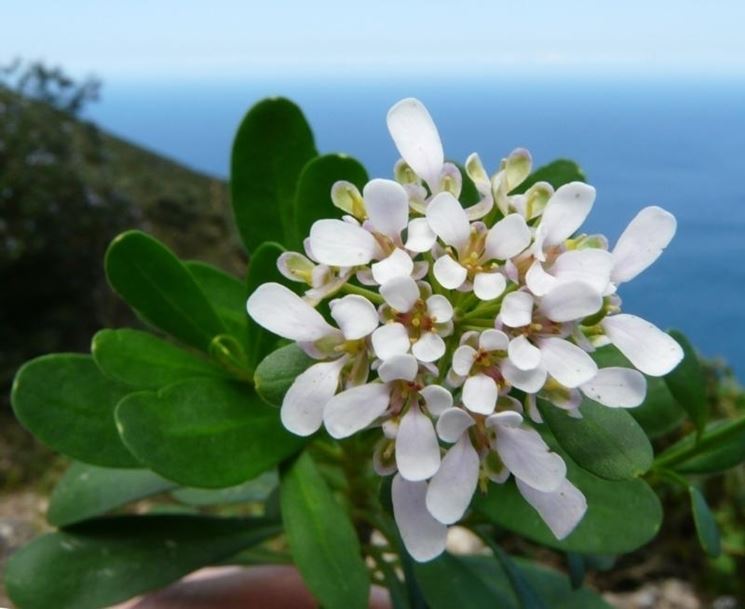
(439, 308)
(399, 367)
(449, 273)
(480, 394)
(566, 362)
(517, 309)
(590, 266)
(617, 387)
(644, 239)
(417, 449)
(538, 280)
(488, 286)
(453, 423)
(566, 211)
(282, 312)
(448, 220)
(437, 398)
(398, 264)
(420, 237)
(354, 409)
(507, 238)
(429, 348)
(389, 340)
(303, 404)
(570, 301)
(423, 536)
(528, 457)
(648, 348)
(339, 243)
(416, 137)
(524, 354)
(452, 487)
(401, 293)
(493, 340)
(387, 206)
(356, 316)
(463, 359)
(508, 418)
(530, 381)
(561, 509)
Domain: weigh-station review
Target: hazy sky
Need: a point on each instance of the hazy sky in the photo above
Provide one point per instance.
(154, 38)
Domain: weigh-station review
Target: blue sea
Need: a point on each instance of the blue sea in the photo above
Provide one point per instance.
(675, 143)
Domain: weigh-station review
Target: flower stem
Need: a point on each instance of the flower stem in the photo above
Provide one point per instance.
(369, 294)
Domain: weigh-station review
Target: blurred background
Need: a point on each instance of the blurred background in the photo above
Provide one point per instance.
(115, 115)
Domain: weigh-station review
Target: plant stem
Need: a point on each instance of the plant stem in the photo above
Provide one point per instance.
(359, 291)
(683, 453)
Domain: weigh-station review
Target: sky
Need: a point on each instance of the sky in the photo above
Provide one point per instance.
(230, 38)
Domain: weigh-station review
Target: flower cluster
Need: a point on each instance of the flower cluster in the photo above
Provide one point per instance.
(450, 321)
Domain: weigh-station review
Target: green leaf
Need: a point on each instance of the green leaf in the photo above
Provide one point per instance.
(66, 402)
(146, 361)
(322, 539)
(102, 562)
(262, 269)
(257, 489)
(659, 413)
(87, 490)
(271, 147)
(227, 295)
(313, 195)
(721, 447)
(557, 173)
(688, 383)
(706, 527)
(156, 284)
(278, 371)
(204, 433)
(605, 441)
(606, 527)
(526, 595)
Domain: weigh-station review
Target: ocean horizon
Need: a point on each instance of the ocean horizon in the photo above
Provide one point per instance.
(675, 142)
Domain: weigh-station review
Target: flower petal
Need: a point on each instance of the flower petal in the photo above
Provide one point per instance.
(437, 398)
(420, 237)
(493, 340)
(644, 239)
(399, 367)
(452, 423)
(449, 273)
(354, 409)
(648, 348)
(570, 301)
(510, 418)
(398, 264)
(530, 381)
(356, 316)
(429, 348)
(416, 137)
(387, 207)
(561, 509)
(517, 309)
(565, 212)
(417, 449)
(452, 487)
(401, 293)
(488, 286)
(480, 394)
(463, 359)
(528, 457)
(539, 282)
(439, 308)
(448, 220)
(566, 362)
(339, 243)
(284, 313)
(523, 353)
(591, 266)
(303, 404)
(389, 340)
(617, 387)
(423, 535)
(295, 267)
(507, 238)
